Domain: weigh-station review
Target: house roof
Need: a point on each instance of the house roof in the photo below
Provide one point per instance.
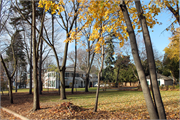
(160, 76)
(71, 69)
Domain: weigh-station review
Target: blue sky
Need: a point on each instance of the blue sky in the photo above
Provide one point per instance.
(159, 36)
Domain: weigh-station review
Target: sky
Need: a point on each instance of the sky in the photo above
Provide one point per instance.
(159, 36)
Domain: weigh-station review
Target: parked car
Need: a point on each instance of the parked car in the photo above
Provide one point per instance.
(101, 85)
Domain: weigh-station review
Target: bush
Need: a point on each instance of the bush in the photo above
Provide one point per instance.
(139, 88)
(177, 86)
(161, 87)
(166, 87)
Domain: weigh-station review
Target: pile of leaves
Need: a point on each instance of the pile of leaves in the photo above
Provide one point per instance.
(112, 105)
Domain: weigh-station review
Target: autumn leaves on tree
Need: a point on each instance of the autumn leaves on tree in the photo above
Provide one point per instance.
(117, 18)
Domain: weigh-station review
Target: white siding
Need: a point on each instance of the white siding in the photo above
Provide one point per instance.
(161, 81)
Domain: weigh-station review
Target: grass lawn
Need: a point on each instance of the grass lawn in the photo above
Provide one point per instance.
(131, 102)
(117, 100)
(92, 89)
(123, 104)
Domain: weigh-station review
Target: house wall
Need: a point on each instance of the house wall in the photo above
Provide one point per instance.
(168, 82)
(159, 80)
(53, 77)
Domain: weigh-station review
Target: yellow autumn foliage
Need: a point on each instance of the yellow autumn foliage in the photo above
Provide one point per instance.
(173, 49)
(106, 17)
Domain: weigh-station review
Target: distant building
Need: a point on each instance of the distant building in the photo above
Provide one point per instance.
(162, 80)
(51, 78)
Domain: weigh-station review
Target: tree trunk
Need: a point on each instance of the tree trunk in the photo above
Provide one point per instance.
(30, 69)
(153, 95)
(16, 81)
(9, 81)
(62, 72)
(87, 82)
(63, 92)
(72, 90)
(151, 62)
(40, 68)
(117, 77)
(40, 54)
(141, 74)
(36, 105)
(174, 79)
(87, 73)
(97, 91)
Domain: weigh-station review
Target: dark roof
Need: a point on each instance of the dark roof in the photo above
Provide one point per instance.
(71, 69)
(160, 76)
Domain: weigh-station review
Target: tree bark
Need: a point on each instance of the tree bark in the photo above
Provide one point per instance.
(97, 91)
(63, 92)
(75, 62)
(16, 81)
(174, 79)
(40, 68)
(141, 74)
(151, 62)
(36, 105)
(9, 81)
(173, 11)
(117, 77)
(62, 72)
(30, 69)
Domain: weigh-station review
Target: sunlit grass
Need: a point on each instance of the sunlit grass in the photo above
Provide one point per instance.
(118, 100)
(91, 89)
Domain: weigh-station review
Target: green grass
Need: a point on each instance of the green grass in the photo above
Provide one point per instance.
(92, 89)
(131, 102)
(117, 100)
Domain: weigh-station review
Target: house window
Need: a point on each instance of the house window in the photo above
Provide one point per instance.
(66, 74)
(147, 82)
(28, 76)
(77, 75)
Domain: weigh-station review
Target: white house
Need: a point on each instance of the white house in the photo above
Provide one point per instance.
(162, 80)
(93, 79)
(52, 79)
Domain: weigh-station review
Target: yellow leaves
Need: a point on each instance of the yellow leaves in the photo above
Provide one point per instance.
(134, 26)
(173, 48)
(121, 44)
(97, 48)
(40, 4)
(51, 5)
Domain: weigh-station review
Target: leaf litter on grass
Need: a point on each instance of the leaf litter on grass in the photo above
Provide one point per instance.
(131, 106)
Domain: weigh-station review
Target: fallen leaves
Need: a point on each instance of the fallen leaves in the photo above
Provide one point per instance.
(110, 107)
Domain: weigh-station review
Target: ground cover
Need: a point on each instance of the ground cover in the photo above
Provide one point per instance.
(50, 90)
(112, 105)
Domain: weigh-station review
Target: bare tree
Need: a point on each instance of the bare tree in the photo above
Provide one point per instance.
(8, 74)
(99, 73)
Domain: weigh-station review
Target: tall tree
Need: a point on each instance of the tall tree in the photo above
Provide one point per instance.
(151, 62)
(172, 65)
(99, 73)
(109, 60)
(75, 61)
(120, 64)
(36, 104)
(18, 51)
(8, 74)
(150, 106)
(26, 11)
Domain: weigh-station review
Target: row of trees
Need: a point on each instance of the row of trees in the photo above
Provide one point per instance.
(99, 23)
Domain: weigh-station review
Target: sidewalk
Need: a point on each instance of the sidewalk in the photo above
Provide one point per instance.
(8, 114)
